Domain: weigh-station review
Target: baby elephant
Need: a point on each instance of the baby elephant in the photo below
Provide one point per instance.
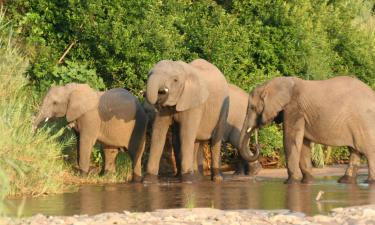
(115, 118)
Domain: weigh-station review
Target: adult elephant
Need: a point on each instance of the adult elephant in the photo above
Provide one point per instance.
(337, 112)
(115, 118)
(194, 96)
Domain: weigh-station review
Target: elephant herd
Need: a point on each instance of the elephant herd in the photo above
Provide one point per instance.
(197, 103)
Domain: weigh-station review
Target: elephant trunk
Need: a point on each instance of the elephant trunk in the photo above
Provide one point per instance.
(156, 92)
(152, 90)
(41, 117)
(244, 149)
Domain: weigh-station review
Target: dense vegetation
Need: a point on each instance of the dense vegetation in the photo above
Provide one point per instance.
(29, 163)
(114, 43)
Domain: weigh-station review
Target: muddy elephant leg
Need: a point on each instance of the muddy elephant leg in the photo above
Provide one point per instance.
(305, 163)
(350, 176)
(293, 138)
(159, 133)
(110, 155)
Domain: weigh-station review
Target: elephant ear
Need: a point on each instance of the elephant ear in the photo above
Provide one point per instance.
(81, 100)
(195, 90)
(276, 95)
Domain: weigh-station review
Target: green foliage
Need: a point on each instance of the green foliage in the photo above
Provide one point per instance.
(29, 163)
(271, 140)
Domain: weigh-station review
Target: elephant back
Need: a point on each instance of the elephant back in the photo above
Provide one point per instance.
(118, 103)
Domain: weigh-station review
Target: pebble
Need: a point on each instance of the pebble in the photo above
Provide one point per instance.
(206, 216)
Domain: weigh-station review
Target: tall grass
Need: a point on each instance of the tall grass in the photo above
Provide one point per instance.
(29, 163)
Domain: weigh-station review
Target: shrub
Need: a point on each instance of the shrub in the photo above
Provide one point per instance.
(29, 164)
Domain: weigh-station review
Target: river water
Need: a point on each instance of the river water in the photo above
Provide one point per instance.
(263, 193)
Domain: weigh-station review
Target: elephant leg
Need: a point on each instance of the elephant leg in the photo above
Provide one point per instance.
(168, 148)
(350, 176)
(110, 155)
(197, 147)
(76, 133)
(200, 159)
(252, 168)
(176, 147)
(159, 132)
(371, 165)
(188, 131)
(240, 166)
(86, 143)
(293, 139)
(216, 142)
(305, 163)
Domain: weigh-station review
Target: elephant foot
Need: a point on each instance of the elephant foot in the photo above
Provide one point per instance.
(347, 180)
(291, 180)
(188, 178)
(150, 179)
(137, 178)
(83, 174)
(254, 168)
(307, 179)
(217, 178)
(216, 175)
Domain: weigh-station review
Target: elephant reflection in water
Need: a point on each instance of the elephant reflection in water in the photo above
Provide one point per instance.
(299, 198)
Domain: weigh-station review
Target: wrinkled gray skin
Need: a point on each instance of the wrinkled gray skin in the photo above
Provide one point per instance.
(115, 118)
(194, 96)
(337, 112)
(236, 116)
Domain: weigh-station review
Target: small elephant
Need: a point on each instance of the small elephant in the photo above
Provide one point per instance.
(338, 112)
(195, 97)
(115, 118)
(237, 112)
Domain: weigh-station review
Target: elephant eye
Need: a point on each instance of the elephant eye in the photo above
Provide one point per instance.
(54, 102)
(175, 80)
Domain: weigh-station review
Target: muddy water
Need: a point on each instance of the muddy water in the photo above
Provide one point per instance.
(246, 194)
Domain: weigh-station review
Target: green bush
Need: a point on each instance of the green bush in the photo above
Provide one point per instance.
(29, 163)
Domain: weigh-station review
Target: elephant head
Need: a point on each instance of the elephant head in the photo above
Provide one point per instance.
(175, 83)
(266, 102)
(71, 100)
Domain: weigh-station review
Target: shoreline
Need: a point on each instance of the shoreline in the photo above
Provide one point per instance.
(350, 215)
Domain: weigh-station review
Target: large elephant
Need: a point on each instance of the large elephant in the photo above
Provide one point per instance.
(195, 97)
(338, 112)
(115, 118)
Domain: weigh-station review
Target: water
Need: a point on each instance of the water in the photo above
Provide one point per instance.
(249, 194)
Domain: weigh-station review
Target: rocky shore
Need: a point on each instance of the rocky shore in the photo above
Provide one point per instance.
(351, 215)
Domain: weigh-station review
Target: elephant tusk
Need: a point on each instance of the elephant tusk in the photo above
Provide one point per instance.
(166, 90)
(249, 130)
(46, 120)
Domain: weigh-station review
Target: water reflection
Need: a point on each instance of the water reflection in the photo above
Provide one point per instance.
(260, 194)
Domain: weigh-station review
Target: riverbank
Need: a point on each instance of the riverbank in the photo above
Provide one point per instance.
(350, 215)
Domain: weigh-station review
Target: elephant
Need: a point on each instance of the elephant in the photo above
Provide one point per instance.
(194, 96)
(236, 116)
(339, 111)
(115, 118)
